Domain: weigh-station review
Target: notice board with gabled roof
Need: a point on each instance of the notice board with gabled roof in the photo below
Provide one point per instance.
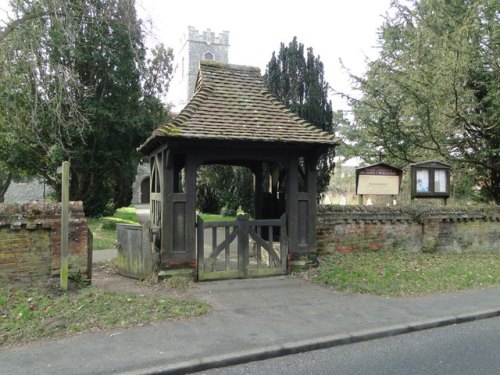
(378, 179)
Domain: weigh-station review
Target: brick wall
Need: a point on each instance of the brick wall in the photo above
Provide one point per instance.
(24, 253)
(348, 229)
(30, 240)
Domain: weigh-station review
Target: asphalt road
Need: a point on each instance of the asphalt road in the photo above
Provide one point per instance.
(469, 348)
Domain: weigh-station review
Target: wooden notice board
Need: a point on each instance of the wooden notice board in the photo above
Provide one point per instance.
(378, 179)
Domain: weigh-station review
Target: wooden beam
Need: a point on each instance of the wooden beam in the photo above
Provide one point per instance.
(190, 171)
(292, 190)
(312, 184)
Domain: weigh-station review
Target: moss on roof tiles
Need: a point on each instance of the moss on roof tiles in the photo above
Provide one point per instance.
(231, 102)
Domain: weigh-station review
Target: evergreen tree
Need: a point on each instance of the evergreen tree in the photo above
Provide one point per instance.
(297, 80)
(433, 91)
(77, 85)
(224, 186)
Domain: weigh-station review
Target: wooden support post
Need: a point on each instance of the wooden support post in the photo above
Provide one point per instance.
(63, 275)
(361, 200)
(165, 163)
(292, 206)
(190, 246)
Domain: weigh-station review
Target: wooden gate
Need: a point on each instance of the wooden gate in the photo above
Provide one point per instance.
(242, 248)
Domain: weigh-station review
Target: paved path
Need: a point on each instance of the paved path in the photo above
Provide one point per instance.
(142, 211)
(99, 256)
(250, 319)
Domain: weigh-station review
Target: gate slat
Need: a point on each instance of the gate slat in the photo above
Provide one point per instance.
(214, 246)
(228, 254)
(265, 245)
(244, 229)
(215, 253)
(258, 254)
(270, 238)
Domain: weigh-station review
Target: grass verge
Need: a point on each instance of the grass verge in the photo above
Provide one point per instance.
(408, 274)
(104, 229)
(31, 314)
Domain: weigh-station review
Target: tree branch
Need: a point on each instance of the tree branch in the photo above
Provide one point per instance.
(13, 25)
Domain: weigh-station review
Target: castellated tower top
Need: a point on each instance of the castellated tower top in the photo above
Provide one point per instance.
(197, 46)
(208, 36)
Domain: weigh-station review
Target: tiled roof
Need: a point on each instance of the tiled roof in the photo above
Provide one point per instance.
(231, 102)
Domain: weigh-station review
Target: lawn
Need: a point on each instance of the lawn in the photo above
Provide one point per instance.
(104, 229)
(215, 217)
(35, 313)
(408, 274)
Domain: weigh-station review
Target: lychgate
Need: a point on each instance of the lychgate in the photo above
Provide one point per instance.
(232, 119)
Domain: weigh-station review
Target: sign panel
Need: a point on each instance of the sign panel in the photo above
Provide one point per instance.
(422, 181)
(379, 171)
(430, 179)
(440, 181)
(378, 184)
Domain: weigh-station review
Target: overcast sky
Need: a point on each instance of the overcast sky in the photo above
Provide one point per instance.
(336, 29)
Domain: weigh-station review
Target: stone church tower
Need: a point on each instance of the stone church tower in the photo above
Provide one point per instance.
(196, 46)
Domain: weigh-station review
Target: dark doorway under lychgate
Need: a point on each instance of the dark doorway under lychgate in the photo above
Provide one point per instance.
(145, 191)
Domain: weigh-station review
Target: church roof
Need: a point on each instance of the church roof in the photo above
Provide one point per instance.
(232, 103)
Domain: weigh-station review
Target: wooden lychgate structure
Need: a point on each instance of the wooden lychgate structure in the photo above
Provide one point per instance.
(232, 119)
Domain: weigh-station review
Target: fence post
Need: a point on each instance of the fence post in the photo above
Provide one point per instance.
(243, 221)
(63, 274)
(200, 266)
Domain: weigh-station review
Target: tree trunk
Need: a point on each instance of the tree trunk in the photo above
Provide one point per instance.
(4, 187)
(495, 186)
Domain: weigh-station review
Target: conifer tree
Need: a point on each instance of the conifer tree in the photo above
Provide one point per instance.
(297, 80)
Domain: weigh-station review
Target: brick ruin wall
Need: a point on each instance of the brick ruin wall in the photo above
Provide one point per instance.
(30, 241)
(347, 229)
